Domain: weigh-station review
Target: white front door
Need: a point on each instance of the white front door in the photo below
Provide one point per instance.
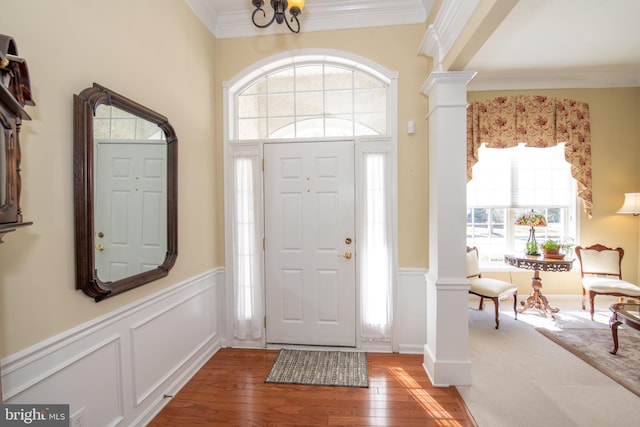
(310, 243)
(131, 213)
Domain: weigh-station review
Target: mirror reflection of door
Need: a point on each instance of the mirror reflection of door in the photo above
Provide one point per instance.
(130, 197)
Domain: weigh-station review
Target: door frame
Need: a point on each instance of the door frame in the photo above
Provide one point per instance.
(387, 144)
(362, 146)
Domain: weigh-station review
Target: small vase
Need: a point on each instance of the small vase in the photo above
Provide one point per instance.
(531, 247)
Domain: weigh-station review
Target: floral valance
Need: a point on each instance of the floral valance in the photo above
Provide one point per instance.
(538, 121)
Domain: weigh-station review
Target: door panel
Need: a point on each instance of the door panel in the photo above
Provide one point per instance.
(309, 215)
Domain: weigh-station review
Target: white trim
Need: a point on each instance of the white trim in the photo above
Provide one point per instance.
(303, 56)
(410, 321)
(324, 16)
(285, 59)
(121, 365)
(440, 37)
(205, 11)
(565, 79)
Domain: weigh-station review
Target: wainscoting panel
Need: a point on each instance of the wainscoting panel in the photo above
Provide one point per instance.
(169, 338)
(75, 379)
(411, 311)
(122, 368)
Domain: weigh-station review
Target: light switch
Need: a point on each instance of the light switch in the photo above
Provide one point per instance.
(411, 127)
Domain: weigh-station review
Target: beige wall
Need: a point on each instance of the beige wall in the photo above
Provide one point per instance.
(395, 48)
(615, 146)
(133, 49)
(155, 52)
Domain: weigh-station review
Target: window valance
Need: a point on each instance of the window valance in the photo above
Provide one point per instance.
(537, 121)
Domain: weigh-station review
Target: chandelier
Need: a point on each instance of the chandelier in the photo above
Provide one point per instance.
(279, 8)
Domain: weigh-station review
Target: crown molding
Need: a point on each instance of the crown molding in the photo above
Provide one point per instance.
(325, 16)
(562, 79)
(205, 11)
(451, 20)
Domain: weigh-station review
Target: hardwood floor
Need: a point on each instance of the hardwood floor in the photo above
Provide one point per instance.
(230, 390)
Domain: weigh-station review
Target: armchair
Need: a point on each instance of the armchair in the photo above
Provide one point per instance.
(492, 289)
(601, 272)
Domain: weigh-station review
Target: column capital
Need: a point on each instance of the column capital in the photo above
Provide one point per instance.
(438, 78)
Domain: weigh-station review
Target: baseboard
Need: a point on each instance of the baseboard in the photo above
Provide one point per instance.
(411, 349)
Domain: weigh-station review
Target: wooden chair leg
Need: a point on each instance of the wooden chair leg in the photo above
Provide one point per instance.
(481, 305)
(583, 291)
(592, 297)
(496, 303)
(515, 305)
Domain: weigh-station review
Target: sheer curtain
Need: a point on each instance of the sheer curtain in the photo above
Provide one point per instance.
(282, 98)
(375, 252)
(247, 260)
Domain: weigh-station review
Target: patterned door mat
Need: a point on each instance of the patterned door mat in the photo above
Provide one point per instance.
(311, 367)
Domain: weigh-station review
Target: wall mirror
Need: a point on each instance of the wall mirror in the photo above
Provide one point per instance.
(125, 193)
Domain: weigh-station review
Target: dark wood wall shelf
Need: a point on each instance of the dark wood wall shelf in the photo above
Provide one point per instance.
(8, 228)
(15, 93)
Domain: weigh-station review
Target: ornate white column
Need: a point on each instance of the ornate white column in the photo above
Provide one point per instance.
(446, 354)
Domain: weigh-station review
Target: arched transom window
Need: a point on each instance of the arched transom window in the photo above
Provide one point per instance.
(312, 100)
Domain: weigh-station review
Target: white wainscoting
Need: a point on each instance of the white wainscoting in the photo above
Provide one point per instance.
(411, 311)
(119, 367)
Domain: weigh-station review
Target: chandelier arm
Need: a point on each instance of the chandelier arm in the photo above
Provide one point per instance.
(297, 22)
(253, 18)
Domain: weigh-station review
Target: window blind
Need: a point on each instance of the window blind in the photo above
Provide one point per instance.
(520, 177)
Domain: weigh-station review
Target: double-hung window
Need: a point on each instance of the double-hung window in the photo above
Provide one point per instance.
(510, 182)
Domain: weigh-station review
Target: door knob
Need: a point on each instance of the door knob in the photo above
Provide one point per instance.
(346, 255)
(100, 248)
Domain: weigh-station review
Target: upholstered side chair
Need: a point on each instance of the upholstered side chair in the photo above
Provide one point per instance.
(492, 289)
(601, 271)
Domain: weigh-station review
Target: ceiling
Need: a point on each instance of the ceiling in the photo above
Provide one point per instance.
(539, 44)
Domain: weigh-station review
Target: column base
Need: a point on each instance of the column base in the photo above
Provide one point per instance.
(446, 373)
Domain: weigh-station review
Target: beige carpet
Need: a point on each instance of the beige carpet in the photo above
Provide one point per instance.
(521, 378)
(593, 346)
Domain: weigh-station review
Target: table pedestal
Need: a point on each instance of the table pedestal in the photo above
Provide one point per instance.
(536, 299)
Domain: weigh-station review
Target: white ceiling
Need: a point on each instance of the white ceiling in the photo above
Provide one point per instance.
(540, 43)
(563, 43)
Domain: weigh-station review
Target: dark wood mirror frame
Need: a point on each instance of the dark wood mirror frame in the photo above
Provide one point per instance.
(84, 108)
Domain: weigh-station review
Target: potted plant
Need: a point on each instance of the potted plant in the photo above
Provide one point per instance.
(550, 247)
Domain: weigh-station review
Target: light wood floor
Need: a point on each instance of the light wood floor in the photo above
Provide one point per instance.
(230, 390)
